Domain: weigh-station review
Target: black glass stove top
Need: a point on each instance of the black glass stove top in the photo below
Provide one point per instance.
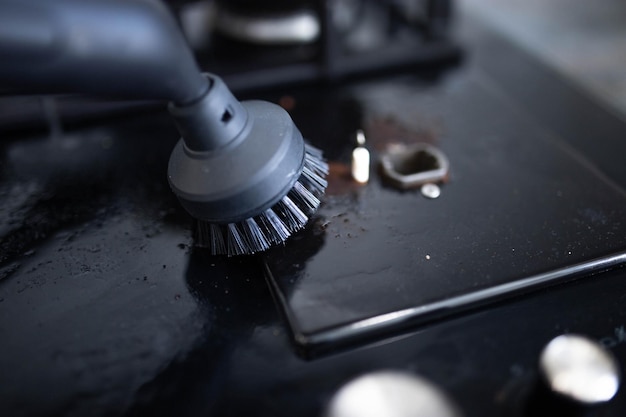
(107, 309)
(521, 209)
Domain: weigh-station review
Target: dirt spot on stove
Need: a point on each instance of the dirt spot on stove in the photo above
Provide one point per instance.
(382, 132)
(340, 180)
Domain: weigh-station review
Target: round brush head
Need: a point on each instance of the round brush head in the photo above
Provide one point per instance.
(244, 172)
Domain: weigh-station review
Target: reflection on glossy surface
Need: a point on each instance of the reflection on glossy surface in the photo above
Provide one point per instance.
(391, 394)
(580, 369)
(234, 307)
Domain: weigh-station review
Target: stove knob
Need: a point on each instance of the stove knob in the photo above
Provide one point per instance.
(576, 373)
(391, 394)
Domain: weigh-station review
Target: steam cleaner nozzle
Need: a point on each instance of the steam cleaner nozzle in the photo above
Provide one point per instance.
(243, 170)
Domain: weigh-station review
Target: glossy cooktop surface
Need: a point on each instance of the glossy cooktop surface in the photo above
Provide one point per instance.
(106, 307)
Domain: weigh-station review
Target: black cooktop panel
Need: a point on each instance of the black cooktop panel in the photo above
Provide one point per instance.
(520, 203)
(107, 309)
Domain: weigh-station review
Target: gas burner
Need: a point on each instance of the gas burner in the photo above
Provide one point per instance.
(287, 23)
(255, 46)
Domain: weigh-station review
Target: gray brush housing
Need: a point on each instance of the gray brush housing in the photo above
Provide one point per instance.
(235, 160)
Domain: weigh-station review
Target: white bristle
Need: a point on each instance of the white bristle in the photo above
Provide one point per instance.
(315, 173)
(276, 224)
(293, 217)
(236, 243)
(316, 166)
(314, 152)
(315, 183)
(276, 229)
(255, 236)
(217, 239)
(304, 198)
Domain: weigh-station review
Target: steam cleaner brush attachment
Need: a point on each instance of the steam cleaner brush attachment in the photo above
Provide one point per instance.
(243, 170)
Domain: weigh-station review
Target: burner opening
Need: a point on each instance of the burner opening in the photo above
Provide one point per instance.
(412, 166)
(414, 163)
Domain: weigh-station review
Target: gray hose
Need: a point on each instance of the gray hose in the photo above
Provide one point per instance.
(118, 48)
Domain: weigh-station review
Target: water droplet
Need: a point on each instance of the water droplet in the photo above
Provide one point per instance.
(431, 191)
